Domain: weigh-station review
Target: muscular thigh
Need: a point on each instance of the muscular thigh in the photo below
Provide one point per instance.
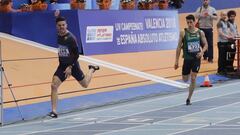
(77, 73)
(60, 72)
(191, 66)
(56, 82)
(196, 65)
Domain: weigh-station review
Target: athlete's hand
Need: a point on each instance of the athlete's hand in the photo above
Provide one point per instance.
(176, 66)
(68, 71)
(199, 55)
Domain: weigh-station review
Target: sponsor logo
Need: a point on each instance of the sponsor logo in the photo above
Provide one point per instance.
(96, 34)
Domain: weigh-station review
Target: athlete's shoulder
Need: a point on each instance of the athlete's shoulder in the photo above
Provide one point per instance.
(70, 35)
(201, 32)
(182, 32)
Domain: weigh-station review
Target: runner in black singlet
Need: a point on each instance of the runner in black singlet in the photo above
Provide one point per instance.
(68, 63)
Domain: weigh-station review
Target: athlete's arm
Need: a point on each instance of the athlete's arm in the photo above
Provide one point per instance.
(74, 57)
(178, 50)
(74, 51)
(204, 42)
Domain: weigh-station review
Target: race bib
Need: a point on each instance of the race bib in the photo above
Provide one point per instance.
(193, 47)
(63, 51)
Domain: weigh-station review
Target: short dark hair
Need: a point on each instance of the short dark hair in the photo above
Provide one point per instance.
(190, 17)
(60, 18)
(231, 12)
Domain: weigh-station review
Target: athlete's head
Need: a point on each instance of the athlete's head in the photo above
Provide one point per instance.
(61, 25)
(190, 21)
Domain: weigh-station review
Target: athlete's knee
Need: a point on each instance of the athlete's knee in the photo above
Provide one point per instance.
(193, 80)
(56, 82)
(54, 86)
(185, 78)
(193, 77)
(84, 85)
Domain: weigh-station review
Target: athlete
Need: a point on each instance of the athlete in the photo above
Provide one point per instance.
(68, 63)
(193, 43)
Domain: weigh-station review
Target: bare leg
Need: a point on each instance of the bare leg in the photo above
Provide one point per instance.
(192, 85)
(56, 82)
(185, 78)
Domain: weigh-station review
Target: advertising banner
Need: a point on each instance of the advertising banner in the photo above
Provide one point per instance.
(6, 23)
(112, 31)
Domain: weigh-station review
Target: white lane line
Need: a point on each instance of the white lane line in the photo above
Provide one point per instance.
(228, 125)
(203, 126)
(125, 129)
